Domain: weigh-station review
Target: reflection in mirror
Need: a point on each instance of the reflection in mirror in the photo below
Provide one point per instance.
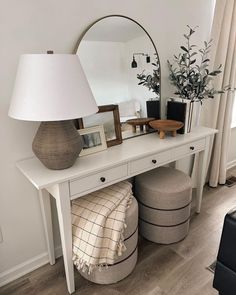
(108, 116)
(114, 52)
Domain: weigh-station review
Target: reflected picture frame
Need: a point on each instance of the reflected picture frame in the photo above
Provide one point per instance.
(114, 109)
(93, 140)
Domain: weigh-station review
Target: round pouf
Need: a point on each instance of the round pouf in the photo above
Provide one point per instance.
(125, 263)
(164, 196)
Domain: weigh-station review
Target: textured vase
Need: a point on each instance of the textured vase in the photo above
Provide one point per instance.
(57, 144)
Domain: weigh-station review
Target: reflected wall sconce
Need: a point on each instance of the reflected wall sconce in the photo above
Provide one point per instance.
(134, 63)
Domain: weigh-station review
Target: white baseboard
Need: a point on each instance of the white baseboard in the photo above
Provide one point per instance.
(26, 267)
(231, 164)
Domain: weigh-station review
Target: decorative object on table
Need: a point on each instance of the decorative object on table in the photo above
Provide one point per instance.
(108, 116)
(191, 76)
(52, 88)
(178, 110)
(94, 140)
(153, 108)
(185, 111)
(124, 264)
(134, 63)
(164, 196)
(141, 122)
(164, 126)
(98, 238)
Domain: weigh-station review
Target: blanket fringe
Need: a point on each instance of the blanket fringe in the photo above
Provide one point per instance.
(87, 268)
(84, 266)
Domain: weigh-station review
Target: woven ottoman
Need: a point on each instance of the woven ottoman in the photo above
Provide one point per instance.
(125, 263)
(164, 196)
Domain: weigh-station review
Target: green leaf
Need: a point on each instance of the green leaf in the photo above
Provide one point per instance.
(192, 61)
(190, 77)
(192, 54)
(184, 48)
(191, 31)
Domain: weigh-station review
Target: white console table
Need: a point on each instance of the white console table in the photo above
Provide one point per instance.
(90, 173)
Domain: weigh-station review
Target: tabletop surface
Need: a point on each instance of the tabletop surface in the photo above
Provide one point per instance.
(130, 149)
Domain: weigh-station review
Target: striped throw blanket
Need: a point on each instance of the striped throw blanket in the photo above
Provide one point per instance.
(98, 223)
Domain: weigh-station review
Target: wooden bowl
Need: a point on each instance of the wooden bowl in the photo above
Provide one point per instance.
(140, 122)
(164, 126)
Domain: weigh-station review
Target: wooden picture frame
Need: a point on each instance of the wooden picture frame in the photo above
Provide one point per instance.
(81, 123)
(93, 139)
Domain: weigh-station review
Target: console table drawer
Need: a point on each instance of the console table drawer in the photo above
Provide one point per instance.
(149, 162)
(98, 179)
(189, 149)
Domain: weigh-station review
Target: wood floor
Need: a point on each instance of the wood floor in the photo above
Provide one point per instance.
(178, 269)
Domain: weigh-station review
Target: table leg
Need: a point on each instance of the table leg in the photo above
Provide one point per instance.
(201, 177)
(174, 133)
(141, 127)
(162, 134)
(134, 129)
(64, 218)
(44, 198)
(173, 164)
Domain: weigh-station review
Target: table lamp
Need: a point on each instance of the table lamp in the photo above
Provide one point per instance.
(53, 89)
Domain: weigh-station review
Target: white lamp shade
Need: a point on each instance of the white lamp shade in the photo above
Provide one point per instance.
(51, 87)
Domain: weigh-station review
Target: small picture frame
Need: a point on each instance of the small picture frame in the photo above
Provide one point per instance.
(93, 139)
(108, 116)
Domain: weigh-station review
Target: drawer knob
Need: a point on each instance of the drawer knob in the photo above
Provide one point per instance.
(103, 179)
(154, 161)
(192, 148)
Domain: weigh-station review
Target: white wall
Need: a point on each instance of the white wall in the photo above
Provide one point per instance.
(104, 67)
(33, 26)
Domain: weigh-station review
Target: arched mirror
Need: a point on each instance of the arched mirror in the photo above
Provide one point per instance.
(122, 66)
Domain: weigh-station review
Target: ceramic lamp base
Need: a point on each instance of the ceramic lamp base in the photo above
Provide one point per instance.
(57, 144)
